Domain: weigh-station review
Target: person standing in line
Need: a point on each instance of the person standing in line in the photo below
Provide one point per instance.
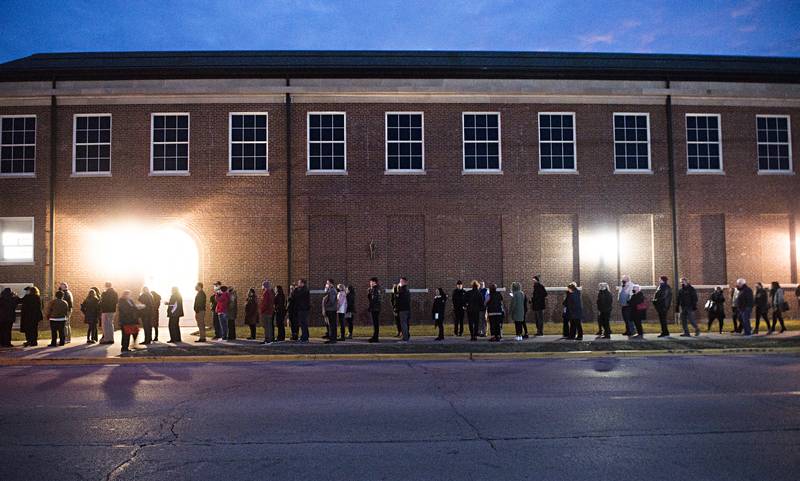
(291, 313)
(128, 320)
(638, 310)
(266, 309)
(302, 306)
(155, 314)
(395, 313)
(341, 308)
(91, 315)
(605, 302)
(404, 308)
(716, 308)
(687, 306)
(517, 309)
(31, 315)
(438, 310)
(251, 313)
(146, 314)
(538, 304)
(223, 297)
(375, 298)
(459, 299)
(69, 299)
(745, 303)
(174, 314)
(329, 301)
(483, 319)
(280, 313)
(779, 305)
(108, 307)
(214, 312)
(737, 324)
(351, 310)
(200, 311)
(57, 312)
(625, 308)
(475, 305)
(494, 313)
(574, 312)
(232, 313)
(797, 295)
(662, 300)
(761, 301)
(8, 314)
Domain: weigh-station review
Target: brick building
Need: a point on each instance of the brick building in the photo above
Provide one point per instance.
(163, 168)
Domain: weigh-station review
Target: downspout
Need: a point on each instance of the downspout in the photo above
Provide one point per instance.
(672, 196)
(288, 147)
(51, 273)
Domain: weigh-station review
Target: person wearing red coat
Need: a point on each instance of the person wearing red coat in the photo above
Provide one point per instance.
(267, 309)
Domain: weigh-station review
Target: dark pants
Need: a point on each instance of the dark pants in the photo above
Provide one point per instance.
(458, 322)
(636, 317)
(217, 325)
(231, 329)
(575, 328)
(252, 331)
(495, 326)
(397, 323)
(565, 325)
(155, 327)
(32, 333)
(376, 324)
(518, 327)
(737, 324)
(662, 319)
(126, 340)
(91, 331)
(331, 317)
(718, 316)
(5, 333)
(174, 329)
(440, 324)
(538, 318)
(341, 319)
(603, 319)
(57, 330)
(302, 322)
(744, 321)
(762, 314)
(280, 323)
(482, 322)
(777, 315)
(627, 315)
(294, 328)
(147, 325)
(405, 327)
(474, 323)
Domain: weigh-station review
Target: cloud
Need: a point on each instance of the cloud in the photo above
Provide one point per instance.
(744, 9)
(591, 40)
(629, 24)
(647, 39)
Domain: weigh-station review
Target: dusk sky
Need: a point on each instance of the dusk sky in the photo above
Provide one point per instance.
(748, 27)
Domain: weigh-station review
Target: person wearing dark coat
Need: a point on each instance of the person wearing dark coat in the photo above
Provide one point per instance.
(108, 305)
(779, 305)
(474, 307)
(199, 309)
(744, 304)
(8, 314)
(146, 314)
(395, 312)
(155, 313)
(574, 312)
(687, 305)
(605, 302)
(662, 300)
(232, 313)
(291, 313)
(459, 300)
(90, 307)
(737, 325)
(495, 312)
(437, 311)
(638, 310)
(374, 299)
(761, 301)
(350, 315)
(57, 313)
(404, 308)
(31, 315)
(716, 308)
(302, 305)
(538, 304)
(251, 312)
(128, 319)
(280, 313)
(174, 313)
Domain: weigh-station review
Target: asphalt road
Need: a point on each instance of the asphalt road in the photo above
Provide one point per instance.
(660, 418)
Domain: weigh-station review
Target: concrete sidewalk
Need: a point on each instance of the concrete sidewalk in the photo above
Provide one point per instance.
(392, 348)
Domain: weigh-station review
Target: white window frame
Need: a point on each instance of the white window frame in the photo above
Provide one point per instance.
(499, 169)
(789, 142)
(308, 145)
(75, 173)
(35, 149)
(649, 169)
(33, 244)
(188, 145)
(388, 171)
(721, 170)
(573, 170)
(254, 172)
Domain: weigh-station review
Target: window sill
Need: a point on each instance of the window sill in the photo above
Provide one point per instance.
(237, 173)
(633, 172)
(173, 173)
(91, 174)
(558, 171)
(17, 176)
(404, 172)
(482, 172)
(775, 172)
(326, 172)
(17, 263)
(705, 172)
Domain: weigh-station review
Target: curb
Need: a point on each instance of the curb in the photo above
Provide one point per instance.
(457, 356)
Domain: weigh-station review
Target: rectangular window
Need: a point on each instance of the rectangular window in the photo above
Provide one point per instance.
(631, 142)
(774, 145)
(248, 147)
(703, 143)
(170, 149)
(404, 142)
(557, 142)
(92, 144)
(326, 142)
(16, 240)
(481, 141)
(18, 145)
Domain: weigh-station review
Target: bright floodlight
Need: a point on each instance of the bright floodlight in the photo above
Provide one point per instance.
(600, 247)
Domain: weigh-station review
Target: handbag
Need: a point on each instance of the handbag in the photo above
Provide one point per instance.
(642, 306)
(130, 329)
(784, 306)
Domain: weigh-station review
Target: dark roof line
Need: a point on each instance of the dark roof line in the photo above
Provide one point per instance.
(399, 64)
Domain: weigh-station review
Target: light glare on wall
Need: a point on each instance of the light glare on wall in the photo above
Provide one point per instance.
(599, 247)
